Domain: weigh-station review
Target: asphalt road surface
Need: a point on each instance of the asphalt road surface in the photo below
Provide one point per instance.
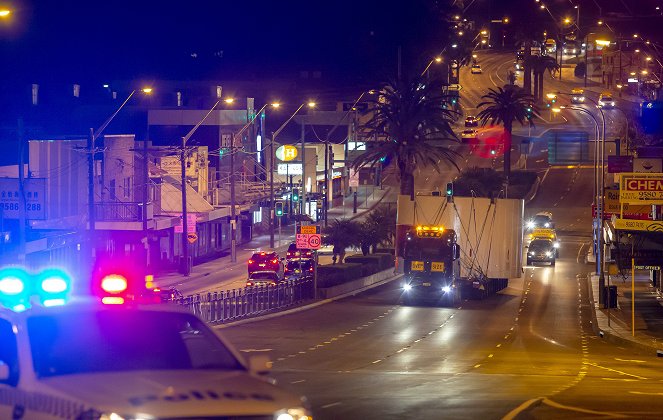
(528, 352)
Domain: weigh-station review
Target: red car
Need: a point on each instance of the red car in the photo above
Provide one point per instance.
(265, 261)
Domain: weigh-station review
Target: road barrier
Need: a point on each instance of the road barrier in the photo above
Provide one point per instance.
(247, 302)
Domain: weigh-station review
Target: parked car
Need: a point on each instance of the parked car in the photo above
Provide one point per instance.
(263, 278)
(293, 252)
(299, 268)
(265, 261)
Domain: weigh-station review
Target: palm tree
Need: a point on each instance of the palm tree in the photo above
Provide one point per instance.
(504, 106)
(341, 234)
(539, 66)
(411, 118)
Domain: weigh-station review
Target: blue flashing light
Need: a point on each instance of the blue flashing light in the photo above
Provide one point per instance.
(17, 286)
(11, 286)
(14, 288)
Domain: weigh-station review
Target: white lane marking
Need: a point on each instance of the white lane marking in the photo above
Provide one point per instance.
(254, 350)
(331, 405)
(522, 407)
(298, 382)
(629, 360)
(615, 370)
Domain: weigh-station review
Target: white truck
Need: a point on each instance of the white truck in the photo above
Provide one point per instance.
(459, 247)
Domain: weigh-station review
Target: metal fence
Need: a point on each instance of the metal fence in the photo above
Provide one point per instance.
(232, 305)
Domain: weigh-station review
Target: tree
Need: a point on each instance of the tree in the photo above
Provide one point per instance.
(412, 122)
(478, 182)
(504, 106)
(342, 234)
(539, 66)
(378, 227)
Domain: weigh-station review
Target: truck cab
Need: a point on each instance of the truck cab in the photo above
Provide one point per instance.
(431, 265)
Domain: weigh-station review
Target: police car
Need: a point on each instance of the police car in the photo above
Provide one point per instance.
(80, 358)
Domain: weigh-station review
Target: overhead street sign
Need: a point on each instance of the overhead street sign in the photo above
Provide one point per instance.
(641, 188)
(640, 225)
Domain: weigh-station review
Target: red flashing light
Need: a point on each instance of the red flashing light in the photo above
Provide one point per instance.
(114, 283)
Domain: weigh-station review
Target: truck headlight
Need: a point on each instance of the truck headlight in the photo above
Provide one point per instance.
(548, 254)
(556, 245)
(298, 413)
(407, 287)
(547, 225)
(446, 289)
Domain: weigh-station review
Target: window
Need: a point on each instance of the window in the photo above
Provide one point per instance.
(8, 351)
(111, 189)
(127, 187)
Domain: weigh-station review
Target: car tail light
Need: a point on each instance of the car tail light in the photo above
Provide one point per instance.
(249, 283)
(251, 261)
(114, 283)
(275, 261)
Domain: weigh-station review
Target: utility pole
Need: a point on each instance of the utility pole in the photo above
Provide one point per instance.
(185, 227)
(21, 193)
(90, 193)
(303, 199)
(146, 192)
(233, 214)
(271, 192)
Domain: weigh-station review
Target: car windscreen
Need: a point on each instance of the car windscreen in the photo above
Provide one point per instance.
(540, 245)
(607, 99)
(295, 265)
(124, 340)
(541, 220)
(427, 249)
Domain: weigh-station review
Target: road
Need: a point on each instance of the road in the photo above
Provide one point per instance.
(528, 352)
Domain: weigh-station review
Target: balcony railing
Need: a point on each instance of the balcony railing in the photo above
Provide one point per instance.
(112, 211)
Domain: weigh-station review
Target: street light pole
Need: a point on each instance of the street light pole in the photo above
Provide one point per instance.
(185, 244)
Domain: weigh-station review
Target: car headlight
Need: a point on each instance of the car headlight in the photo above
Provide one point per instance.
(407, 287)
(532, 253)
(115, 416)
(298, 413)
(548, 254)
(556, 244)
(530, 225)
(446, 289)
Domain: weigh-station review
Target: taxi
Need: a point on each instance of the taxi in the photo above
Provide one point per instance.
(76, 357)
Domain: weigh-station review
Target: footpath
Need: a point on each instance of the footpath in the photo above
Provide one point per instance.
(222, 274)
(615, 324)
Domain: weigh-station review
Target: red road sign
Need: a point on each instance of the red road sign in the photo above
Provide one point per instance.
(314, 241)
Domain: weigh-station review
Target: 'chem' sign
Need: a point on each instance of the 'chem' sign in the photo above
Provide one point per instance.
(641, 188)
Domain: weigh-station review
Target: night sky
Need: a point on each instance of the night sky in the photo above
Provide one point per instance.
(92, 41)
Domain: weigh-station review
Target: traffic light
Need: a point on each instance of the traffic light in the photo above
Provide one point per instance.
(279, 208)
(450, 189)
(528, 112)
(295, 194)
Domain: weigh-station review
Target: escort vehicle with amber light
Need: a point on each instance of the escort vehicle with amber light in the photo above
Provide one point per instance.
(543, 246)
(431, 265)
(75, 357)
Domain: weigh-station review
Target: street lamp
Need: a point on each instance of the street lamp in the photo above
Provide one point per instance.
(271, 169)
(91, 150)
(437, 59)
(599, 183)
(4, 13)
(185, 227)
